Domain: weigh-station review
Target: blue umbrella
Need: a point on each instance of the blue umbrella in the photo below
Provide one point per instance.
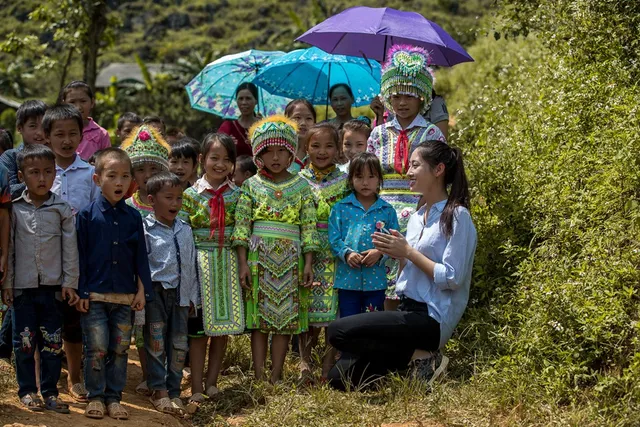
(213, 89)
(309, 73)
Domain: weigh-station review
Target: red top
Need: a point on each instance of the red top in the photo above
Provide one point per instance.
(239, 133)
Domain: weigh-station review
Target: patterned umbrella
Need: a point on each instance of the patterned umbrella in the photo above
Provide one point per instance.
(213, 89)
(309, 73)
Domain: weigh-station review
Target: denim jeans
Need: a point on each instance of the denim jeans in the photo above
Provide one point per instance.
(356, 302)
(106, 334)
(6, 335)
(165, 339)
(37, 323)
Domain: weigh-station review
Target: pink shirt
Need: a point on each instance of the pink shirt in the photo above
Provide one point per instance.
(94, 138)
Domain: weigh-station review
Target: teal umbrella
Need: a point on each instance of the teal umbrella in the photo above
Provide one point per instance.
(309, 73)
(213, 90)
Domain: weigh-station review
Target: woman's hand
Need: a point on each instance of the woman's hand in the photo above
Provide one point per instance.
(393, 245)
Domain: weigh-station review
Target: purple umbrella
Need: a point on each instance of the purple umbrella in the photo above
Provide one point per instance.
(369, 32)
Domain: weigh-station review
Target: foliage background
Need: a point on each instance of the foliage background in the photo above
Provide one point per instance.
(548, 118)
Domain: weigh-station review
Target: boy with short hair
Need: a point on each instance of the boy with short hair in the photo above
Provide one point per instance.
(149, 154)
(114, 280)
(6, 346)
(29, 125)
(245, 169)
(126, 124)
(174, 272)
(183, 161)
(62, 126)
(42, 272)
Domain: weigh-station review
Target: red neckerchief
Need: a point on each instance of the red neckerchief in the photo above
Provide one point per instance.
(401, 158)
(216, 218)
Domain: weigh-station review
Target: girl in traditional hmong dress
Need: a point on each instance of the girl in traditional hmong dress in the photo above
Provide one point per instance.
(209, 207)
(406, 87)
(329, 185)
(275, 235)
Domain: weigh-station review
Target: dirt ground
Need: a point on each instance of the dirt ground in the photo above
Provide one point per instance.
(141, 412)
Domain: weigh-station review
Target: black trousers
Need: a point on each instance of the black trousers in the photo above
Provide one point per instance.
(374, 344)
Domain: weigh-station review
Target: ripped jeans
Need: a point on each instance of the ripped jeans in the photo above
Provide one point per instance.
(37, 323)
(165, 339)
(106, 334)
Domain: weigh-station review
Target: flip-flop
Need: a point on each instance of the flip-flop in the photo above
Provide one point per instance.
(53, 403)
(194, 402)
(163, 405)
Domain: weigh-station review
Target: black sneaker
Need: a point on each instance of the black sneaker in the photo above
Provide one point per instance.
(429, 369)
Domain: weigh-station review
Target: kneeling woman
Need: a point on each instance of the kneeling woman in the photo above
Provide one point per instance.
(436, 260)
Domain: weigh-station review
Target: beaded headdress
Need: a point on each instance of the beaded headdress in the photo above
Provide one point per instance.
(407, 72)
(274, 130)
(144, 145)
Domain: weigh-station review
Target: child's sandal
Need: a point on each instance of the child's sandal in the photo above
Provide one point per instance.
(79, 393)
(143, 389)
(178, 406)
(53, 403)
(194, 403)
(32, 402)
(212, 391)
(117, 411)
(95, 409)
(163, 405)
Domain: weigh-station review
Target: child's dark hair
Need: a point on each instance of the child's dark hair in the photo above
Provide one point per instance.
(110, 153)
(288, 111)
(6, 140)
(153, 119)
(324, 127)
(33, 152)
(361, 162)
(246, 164)
(185, 148)
(355, 125)
(76, 84)
(225, 140)
(434, 153)
(129, 117)
(250, 87)
(159, 180)
(61, 112)
(343, 85)
(29, 109)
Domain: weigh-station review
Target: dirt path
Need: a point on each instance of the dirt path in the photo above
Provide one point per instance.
(141, 412)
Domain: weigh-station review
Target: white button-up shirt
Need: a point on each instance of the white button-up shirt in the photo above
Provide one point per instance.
(75, 184)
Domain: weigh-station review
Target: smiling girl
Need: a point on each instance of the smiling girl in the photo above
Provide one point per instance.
(209, 206)
(329, 185)
(406, 87)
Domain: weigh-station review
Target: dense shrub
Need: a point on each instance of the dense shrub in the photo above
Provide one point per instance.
(550, 126)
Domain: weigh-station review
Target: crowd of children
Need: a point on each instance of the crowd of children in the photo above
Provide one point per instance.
(176, 246)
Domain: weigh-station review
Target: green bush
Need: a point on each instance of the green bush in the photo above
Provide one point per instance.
(550, 128)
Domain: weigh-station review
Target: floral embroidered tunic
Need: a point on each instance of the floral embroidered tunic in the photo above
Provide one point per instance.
(222, 301)
(276, 221)
(327, 189)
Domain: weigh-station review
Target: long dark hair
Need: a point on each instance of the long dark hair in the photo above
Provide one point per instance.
(434, 153)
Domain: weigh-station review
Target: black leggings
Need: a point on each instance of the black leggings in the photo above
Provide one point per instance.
(373, 344)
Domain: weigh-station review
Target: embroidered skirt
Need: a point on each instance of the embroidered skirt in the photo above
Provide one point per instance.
(396, 192)
(276, 302)
(323, 299)
(222, 302)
